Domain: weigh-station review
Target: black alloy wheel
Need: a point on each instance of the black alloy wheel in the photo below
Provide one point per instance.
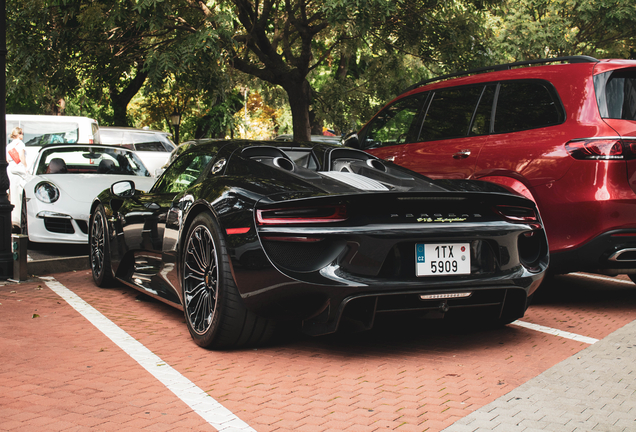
(215, 313)
(201, 280)
(99, 249)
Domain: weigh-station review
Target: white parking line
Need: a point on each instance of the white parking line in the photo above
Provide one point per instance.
(201, 403)
(555, 332)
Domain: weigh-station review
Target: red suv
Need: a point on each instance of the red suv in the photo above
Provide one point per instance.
(560, 131)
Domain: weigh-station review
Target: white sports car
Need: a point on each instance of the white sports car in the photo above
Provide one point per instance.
(67, 178)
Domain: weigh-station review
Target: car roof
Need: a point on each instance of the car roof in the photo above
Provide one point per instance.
(132, 129)
(47, 118)
(520, 70)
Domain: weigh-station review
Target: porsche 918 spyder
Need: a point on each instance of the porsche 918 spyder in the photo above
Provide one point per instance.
(244, 235)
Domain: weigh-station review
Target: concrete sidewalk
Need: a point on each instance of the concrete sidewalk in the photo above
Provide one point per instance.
(594, 390)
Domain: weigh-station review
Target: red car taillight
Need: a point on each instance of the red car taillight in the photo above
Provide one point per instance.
(326, 214)
(602, 149)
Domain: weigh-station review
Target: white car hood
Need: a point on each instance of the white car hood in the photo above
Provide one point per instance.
(85, 187)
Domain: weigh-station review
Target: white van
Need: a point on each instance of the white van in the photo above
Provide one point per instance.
(40, 130)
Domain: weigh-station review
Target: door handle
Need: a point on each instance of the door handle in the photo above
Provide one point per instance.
(462, 154)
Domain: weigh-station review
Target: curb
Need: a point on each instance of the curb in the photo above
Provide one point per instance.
(57, 265)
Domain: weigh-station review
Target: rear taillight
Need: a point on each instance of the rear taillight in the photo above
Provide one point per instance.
(304, 215)
(519, 214)
(602, 149)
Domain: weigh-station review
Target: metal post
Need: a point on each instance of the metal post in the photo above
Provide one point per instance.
(20, 244)
(6, 256)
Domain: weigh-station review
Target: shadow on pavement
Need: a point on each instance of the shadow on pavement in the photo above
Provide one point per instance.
(577, 289)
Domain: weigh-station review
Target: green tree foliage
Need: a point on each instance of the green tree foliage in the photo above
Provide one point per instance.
(529, 29)
(331, 61)
(39, 73)
(110, 48)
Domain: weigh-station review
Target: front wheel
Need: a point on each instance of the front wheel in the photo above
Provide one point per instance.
(215, 314)
(99, 249)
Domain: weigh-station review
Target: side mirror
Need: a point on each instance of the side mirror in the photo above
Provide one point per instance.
(351, 140)
(123, 189)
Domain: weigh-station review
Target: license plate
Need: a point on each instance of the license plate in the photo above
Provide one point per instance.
(441, 259)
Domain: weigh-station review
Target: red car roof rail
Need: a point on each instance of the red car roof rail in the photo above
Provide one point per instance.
(507, 66)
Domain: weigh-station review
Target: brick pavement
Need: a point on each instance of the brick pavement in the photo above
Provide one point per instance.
(60, 372)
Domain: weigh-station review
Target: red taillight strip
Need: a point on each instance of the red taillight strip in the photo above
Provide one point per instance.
(508, 212)
(231, 231)
(297, 239)
(338, 214)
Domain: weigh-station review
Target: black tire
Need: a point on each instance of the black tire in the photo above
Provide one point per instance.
(99, 249)
(215, 314)
(24, 227)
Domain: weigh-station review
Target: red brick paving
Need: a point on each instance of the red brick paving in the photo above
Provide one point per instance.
(60, 373)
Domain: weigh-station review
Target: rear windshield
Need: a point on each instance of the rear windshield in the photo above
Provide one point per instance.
(616, 94)
(90, 160)
(139, 141)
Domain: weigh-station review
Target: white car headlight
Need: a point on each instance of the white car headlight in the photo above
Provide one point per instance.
(47, 192)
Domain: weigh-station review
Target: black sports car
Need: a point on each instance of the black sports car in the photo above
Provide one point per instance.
(243, 235)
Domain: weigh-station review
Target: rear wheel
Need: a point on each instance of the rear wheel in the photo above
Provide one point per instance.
(99, 249)
(214, 312)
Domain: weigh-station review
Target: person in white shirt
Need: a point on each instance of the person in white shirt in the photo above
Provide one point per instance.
(16, 170)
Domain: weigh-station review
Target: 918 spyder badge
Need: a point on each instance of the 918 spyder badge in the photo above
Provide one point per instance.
(441, 219)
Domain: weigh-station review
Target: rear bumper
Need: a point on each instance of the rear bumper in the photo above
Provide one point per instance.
(485, 303)
(611, 253)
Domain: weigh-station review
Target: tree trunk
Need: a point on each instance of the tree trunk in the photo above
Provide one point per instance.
(299, 94)
(119, 100)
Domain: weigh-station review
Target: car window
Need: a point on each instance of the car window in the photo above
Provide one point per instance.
(450, 113)
(154, 146)
(483, 114)
(616, 94)
(396, 124)
(168, 145)
(523, 105)
(89, 160)
(182, 173)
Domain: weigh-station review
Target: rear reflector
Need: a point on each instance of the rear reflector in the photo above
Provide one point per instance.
(231, 231)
